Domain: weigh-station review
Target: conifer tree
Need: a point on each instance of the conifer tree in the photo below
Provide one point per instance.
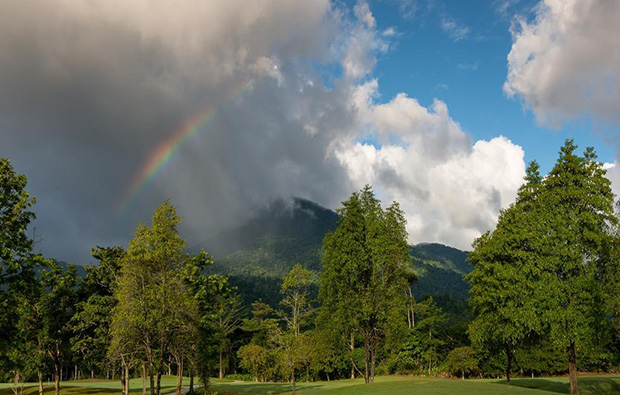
(503, 290)
(577, 208)
(365, 274)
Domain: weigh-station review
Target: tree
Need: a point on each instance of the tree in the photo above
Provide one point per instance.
(227, 314)
(154, 303)
(365, 274)
(548, 268)
(254, 359)
(291, 340)
(91, 323)
(431, 317)
(506, 275)
(16, 260)
(577, 208)
(462, 361)
(55, 308)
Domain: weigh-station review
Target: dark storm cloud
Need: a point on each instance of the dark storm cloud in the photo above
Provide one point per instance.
(89, 90)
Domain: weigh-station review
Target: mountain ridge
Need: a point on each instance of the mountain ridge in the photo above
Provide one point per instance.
(257, 254)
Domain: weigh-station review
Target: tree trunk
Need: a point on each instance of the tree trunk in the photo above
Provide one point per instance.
(40, 374)
(221, 362)
(152, 379)
(149, 359)
(352, 347)
(126, 379)
(462, 374)
(191, 381)
(56, 378)
(430, 362)
(572, 369)
(179, 376)
(508, 364)
(160, 370)
(75, 374)
(373, 360)
(293, 380)
(366, 360)
(143, 379)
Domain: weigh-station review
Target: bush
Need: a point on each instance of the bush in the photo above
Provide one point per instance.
(462, 361)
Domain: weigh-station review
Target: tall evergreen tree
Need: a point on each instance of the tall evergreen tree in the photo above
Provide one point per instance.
(577, 208)
(365, 274)
(547, 271)
(505, 276)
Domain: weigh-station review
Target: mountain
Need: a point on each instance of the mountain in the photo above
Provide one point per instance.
(259, 253)
(440, 270)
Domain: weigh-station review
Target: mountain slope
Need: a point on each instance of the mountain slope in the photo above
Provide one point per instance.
(259, 253)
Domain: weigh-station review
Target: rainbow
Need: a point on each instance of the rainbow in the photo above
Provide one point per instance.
(162, 155)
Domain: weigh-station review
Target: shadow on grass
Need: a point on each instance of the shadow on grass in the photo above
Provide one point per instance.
(77, 390)
(259, 388)
(587, 385)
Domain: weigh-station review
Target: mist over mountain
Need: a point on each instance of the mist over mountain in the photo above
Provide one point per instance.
(259, 253)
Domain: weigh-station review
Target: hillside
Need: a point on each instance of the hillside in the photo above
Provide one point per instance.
(259, 253)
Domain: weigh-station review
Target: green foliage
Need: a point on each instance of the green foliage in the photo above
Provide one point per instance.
(15, 216)
(155, 309)
(16, 261)
(91, 323)
(462, 362)
(506, 278)
(546, 271)
(365, 273)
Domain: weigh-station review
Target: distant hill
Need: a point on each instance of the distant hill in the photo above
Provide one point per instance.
(259, 253)
(440, 269)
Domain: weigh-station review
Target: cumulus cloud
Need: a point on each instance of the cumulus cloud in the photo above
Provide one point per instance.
(449, 189)
(89, 90)
(565, 63)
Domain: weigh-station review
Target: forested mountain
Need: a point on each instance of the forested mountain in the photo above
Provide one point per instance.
(259, 253)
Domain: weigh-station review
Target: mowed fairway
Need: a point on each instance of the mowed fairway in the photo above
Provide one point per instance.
(94, 387)
(394, 385)
(385, 385)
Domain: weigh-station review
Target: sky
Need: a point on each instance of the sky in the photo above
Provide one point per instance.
(109, 107)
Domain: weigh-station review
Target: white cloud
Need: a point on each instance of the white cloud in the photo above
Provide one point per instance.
(389, 32)
(566, 64)
(455, 30)
(613, 174)
(451, 190)
(362, 44)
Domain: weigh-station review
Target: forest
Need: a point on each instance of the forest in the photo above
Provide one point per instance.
(542, 298)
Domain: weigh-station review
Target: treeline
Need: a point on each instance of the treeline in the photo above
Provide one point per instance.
(544, 298)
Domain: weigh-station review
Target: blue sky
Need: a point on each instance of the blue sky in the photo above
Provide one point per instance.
(465, 65)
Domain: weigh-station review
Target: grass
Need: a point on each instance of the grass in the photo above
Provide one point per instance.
(94, 387)
(395, 385)
(384, 385)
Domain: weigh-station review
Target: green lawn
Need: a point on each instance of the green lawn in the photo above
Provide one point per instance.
(394, 385)
(387, 385)
(94, 387)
